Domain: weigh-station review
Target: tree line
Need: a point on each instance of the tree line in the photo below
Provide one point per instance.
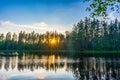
(94, 34)
(87, 34)
(32, 41)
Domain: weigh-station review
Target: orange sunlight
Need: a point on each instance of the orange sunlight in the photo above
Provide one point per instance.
(53, 41)
(41, 76)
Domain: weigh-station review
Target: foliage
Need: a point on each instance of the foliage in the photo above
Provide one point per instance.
(93, 34)
(32, 41)
(98, 8)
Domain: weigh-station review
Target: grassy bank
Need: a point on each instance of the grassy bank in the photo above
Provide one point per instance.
(66, 51)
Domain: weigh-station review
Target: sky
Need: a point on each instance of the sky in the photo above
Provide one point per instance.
(41, 15)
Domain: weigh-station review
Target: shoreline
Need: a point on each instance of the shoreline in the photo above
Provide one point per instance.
(66, 51)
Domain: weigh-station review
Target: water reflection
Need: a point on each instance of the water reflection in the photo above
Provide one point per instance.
(28, 62)
(83, 68)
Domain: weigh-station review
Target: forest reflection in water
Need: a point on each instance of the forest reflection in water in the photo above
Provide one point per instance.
(71, 66)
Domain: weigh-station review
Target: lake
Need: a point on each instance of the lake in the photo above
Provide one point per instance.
(59, 66)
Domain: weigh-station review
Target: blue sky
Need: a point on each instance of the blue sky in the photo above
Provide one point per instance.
(25, 11)
(48, 15)
(40, 15)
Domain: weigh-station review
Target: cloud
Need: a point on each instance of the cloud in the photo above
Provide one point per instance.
(6, 23)
(8, 26)
(114, 15)
(39, 25)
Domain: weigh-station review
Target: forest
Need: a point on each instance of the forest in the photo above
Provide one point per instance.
(87, 34)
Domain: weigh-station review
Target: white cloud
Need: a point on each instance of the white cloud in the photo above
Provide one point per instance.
(41, 24)
(41, 27)
(6, 23)
(8, 26)
(114, 15)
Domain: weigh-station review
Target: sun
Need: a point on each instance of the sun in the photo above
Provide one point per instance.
(53, 41)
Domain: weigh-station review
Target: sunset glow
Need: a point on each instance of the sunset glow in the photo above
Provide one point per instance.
(53, 41)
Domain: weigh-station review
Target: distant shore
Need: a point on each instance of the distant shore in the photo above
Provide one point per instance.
(85, 51)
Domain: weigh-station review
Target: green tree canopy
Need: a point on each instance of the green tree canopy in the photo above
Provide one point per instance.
(98, 8)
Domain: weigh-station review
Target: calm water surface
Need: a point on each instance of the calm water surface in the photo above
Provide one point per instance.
(59, 66)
